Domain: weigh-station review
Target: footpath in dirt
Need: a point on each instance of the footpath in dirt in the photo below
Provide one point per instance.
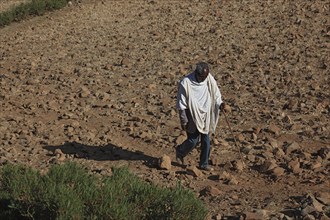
(96, 83)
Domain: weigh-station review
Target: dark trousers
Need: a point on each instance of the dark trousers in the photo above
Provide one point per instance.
(190, 143)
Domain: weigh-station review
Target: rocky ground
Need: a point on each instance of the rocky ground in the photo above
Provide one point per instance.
(96, 83)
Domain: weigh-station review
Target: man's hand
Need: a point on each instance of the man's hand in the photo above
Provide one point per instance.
(224, 107)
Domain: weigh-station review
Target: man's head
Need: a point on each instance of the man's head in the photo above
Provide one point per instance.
(201, 71)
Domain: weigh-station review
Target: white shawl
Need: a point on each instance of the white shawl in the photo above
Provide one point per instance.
(202, 99)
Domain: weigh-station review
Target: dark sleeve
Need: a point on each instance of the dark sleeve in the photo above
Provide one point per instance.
(183, 117)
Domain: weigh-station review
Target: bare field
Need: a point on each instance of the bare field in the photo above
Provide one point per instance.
(96, 83)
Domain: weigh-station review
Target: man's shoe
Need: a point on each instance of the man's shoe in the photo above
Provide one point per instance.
(206, 168)
(179, 157)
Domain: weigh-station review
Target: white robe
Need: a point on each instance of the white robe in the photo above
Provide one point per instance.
(202, 99)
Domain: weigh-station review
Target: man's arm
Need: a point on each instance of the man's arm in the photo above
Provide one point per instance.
(183, 119)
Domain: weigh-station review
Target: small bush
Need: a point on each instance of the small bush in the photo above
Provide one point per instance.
(30, 8)
(69, 192)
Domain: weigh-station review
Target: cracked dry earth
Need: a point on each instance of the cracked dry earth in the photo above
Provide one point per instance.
(96, 81)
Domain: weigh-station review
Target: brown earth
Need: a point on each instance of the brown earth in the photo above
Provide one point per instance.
(96, 83)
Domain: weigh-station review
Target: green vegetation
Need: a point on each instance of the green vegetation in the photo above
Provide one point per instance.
(68, 191)
(30, 8)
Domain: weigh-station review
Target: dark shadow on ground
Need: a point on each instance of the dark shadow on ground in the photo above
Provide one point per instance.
(107, 152)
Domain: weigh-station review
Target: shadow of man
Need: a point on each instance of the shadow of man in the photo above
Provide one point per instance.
(102, 153)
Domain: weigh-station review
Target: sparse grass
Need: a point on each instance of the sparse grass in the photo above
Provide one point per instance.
(30, 8)
(69, 192)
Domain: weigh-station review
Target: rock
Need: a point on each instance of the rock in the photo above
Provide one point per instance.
(308, 217)
(257, 130)
(240, 137)
(316, 165)
(268, 154)
(292, 147)
(323, 197)
(254, 136)
(194, 171)
(257, 215)
(324, 217)
(58, 152)
(214, 160)
(316, 204)
(3, 160)
(274, 129)
(215, 141)
(291, 104)
(239, 165)
(287, 119)
(278, 152)
(224, 176)
(210, 191)
(246, 150)
(165, 162)
(232, 181)
(180, 139)
(217, 217)
(273, 143)
(307, 210)
(278, 171)
(294, 166)
(268, 165)
(251, 158)
(324, 153)
(84, 92)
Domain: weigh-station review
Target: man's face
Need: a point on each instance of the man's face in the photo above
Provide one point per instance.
(201, 77)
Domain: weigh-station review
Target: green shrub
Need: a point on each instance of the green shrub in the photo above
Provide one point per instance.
(68, 192)
(30, 8)
(6, 18)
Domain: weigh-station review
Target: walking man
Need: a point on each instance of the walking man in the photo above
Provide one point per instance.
(199, 103)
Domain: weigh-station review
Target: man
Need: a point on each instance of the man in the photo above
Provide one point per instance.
(199, 102)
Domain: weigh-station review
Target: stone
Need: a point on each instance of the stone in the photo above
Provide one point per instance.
(274, 129)
(210, 191)
(214, 160)
(232, 181)
(308, 217)
(257, 130)
(316, 165)
(194, 171)
(58, 152)
(278, 152)
(278, 171)
(239, 165)
(180, 139)
(287, 119)
(215, 141)
(323, 197)
(217, 217)
(324, 153)
(252, 216)
(254, 136)
(292, 147)
(273, 143)
(268, 165)
(307, 210)
(294, 166)
(224, 176)
(84, 92)
(267, 154)
(165, 162)
(291, 104)
(240, 137)
(316, 204)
